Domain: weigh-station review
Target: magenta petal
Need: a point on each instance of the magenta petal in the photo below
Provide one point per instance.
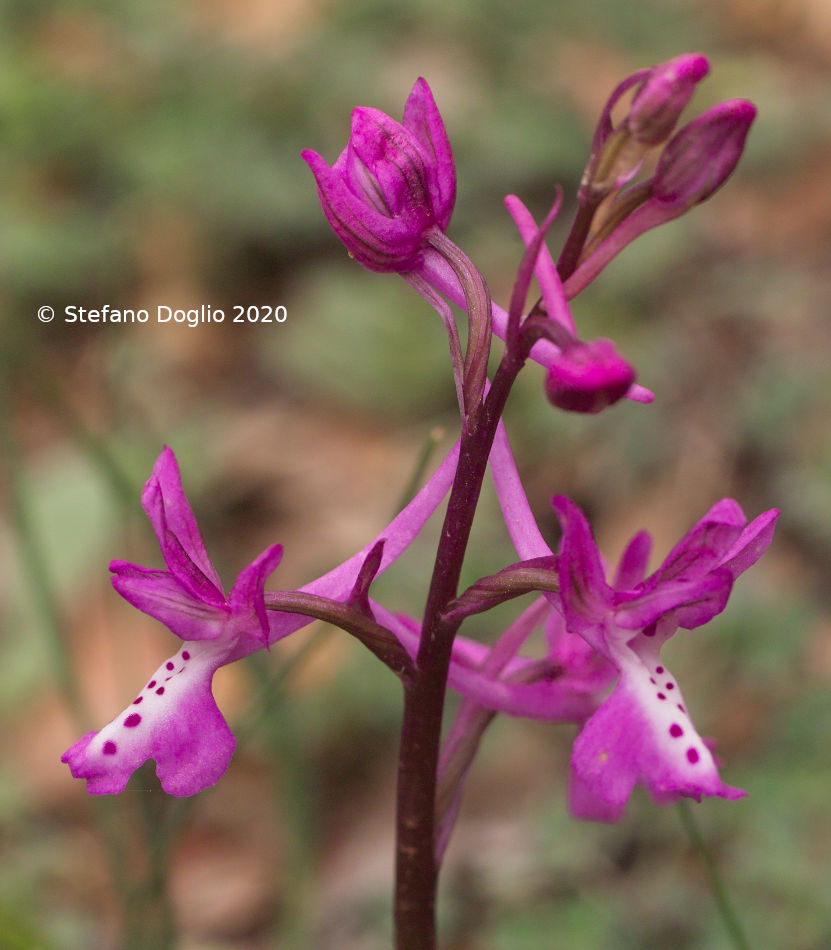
(519, 519)
(588, 377)
(537, 260)
(586, 670)
(637, 737)
(160, 595)
(587, 598)
(247, 593)
(394, 158)
(659, 102)
(174, 720)
(633, 562)
(700, 157)
(584, 803)
(751, 543)
(378, 242)
(392, 186)
(710, 599)
(705, 544)
(692, 603)
(423, 119)
(168, 509)
(188, 574)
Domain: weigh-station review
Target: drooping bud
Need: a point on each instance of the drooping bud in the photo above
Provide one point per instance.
(700, 158)
(392, 185)
(587, 377)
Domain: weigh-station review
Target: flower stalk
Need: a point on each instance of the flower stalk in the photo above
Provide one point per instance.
(416, 869)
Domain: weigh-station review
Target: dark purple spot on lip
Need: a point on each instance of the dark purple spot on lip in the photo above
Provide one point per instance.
(167, 679)
(661, 696)
(659, 669)
(138, 700)
(692, 756)
(151, 684)
(160, 691)
(670, 685)
(185, 655)
(110, 748)
(651, 680)
(132, 720)
(168, 665)
(675, 730)
(681, 708)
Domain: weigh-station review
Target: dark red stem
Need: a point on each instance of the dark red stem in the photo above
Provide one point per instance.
(424, 690)
(576, 240)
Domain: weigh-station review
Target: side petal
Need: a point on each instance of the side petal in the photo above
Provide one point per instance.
(173, 720)
(423, 119)
(160, 595)
(751, 543)
(247, 593)
(587, 598)
(378, 242)
(643, 735)
(396, 160)
(705, 544)
(633, 562)
(692, 603)
(167, 507)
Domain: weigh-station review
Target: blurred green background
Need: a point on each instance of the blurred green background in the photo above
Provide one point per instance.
(151, 156)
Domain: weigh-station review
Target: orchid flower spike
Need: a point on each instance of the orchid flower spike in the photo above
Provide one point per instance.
(392, 185)
(643, 733)
(174, 719)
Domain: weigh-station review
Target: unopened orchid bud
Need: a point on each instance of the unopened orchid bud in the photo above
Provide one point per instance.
(391, 185)
(694, 164)
(587, 377)
(701, 157)
(663, 96)
(661, 93)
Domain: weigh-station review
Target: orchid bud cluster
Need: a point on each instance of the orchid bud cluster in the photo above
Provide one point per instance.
(389, 197)
(692, 164)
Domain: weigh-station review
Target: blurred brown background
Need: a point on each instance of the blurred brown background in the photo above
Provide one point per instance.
(151, 157)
